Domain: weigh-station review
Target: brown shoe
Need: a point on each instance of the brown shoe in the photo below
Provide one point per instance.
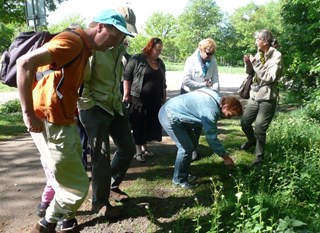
(39, 228)
(118, 195)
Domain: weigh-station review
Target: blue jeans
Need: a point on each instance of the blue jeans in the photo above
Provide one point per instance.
(183, 134)
(260, 112)
(99, 125)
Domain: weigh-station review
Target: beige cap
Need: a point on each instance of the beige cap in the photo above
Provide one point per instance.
(130, 18)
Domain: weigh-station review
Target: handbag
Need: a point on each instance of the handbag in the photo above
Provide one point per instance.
(244, 90)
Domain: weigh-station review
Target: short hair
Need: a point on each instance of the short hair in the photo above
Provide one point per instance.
(233, 105)
(208, 43)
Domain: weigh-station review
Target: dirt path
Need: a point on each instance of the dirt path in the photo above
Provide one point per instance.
(22, 178)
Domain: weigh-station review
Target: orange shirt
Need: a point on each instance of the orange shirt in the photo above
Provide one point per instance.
(63, 48)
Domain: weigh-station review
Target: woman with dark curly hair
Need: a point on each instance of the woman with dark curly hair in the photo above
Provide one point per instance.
(145, 90)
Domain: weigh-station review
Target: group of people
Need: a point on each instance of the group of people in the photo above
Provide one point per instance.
(200, 105)
(106, 111)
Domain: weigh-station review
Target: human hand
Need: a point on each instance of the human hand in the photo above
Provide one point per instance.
(208, 83)
(246, 58)
(33, 123)
(125, 99)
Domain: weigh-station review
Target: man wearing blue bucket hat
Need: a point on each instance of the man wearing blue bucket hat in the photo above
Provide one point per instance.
(49, 110)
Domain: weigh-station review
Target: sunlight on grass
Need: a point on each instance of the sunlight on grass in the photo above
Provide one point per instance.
(5, 88)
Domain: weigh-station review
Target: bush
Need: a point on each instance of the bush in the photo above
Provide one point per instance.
(312, 107)
(12, 106)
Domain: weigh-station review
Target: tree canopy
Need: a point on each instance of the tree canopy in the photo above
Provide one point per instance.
(295, 23)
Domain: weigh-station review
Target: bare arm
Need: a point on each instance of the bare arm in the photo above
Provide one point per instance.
(26, 68)
(126, 91)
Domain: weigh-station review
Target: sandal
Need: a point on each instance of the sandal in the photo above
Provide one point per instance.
(140, 158)
(148, 153)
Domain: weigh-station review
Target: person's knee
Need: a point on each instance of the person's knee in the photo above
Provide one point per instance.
(244, 124)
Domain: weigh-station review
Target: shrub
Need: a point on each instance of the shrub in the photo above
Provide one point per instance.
(12, 106)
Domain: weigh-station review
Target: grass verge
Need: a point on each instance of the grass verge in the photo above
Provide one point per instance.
(11, 123)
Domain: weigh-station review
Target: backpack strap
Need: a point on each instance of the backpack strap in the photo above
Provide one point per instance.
(40, 75)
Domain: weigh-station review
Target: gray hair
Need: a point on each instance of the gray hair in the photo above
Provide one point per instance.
(266, 35)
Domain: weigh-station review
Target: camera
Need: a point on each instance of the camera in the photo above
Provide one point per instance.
(255, 87)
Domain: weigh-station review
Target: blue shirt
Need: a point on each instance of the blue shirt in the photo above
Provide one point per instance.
(199, 109)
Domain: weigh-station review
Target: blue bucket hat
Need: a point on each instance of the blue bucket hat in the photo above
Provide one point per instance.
(112, 17)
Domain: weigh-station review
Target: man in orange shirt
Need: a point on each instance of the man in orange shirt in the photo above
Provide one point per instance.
(49, 105)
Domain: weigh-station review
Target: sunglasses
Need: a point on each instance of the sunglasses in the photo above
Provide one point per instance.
(209, 54)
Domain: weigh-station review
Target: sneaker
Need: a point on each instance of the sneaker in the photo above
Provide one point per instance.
(140, 158)
(39, 228)
(118, 195)
(70, 226)
(42, 208)
(185, 185)
(194, 156)
(247, 145)
(191, 178)
(148, 153)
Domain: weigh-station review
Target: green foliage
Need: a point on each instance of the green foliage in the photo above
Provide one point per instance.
(12, 106)
(249, 19)
(301, 49)
(11, 123)
(163, 26)
(13, 11)
(66, 22)
(201, 19)
(12, 19)
(7, 33)
(312, 107)
(5, 88)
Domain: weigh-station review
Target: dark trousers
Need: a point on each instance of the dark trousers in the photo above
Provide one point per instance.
(99, 125)
(260, 112)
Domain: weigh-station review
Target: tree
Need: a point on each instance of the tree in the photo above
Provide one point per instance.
(245, 22)
(201, 19)
(301, 43)
(13, 11)
(66, 22)
(159, 25)
(12, 19)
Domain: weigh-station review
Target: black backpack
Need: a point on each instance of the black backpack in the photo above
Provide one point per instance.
(22, 44)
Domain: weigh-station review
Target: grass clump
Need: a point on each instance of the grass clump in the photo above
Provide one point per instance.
(11, 123)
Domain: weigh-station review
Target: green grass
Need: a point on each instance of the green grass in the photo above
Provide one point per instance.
(11, 123)
(5, 88)
(279, 196)
(282, 195)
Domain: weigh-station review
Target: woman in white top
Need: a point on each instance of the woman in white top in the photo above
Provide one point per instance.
(201, 68)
